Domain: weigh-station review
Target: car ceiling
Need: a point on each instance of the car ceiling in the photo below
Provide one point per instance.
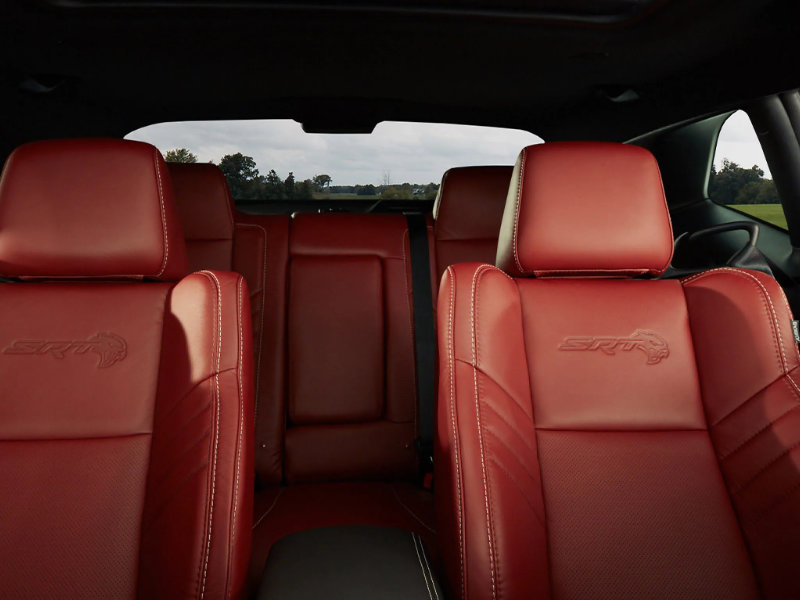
(564, 70)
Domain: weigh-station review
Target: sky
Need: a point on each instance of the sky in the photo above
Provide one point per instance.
(406, 152)
(738, 142)
(402, 152)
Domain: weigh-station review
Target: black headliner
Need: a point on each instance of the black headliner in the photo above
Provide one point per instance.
(115, 69)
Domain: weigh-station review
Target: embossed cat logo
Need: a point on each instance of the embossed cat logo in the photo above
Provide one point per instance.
(109, 347)
(649, 342)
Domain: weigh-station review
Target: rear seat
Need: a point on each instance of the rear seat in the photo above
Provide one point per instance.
(334, 353)
(467, 215)
(333, 345)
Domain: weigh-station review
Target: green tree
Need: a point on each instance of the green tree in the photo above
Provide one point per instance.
(322, 181)
(726, 184)
(273, 186)
(397, 192)
(367, 190)
(289, 186)
(180, 155)
(242, 175)
(304, 190)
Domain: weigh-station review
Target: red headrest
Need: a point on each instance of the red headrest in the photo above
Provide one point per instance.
(204, 201)
(89, 208)
(585, 209)
(470, 203)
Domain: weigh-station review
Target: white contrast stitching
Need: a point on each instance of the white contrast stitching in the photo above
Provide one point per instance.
(475, 279)
(428, 566)
(421, 566)
(766, 295)
(163, 215)
(269, 510)
(456, 447)
(241, 404)
(516, 209)
(409, 511)
(210, 275)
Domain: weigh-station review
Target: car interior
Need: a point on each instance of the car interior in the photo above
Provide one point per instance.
(572, 373)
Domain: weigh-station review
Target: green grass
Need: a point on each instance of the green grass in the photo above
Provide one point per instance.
(771, 213)
(326, 196)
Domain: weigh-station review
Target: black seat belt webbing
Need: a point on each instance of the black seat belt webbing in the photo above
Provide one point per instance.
(424, 333)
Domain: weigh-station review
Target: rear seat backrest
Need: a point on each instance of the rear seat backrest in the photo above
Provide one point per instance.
(351, 386)
(257, 248)
(467, 215)
(336, 399)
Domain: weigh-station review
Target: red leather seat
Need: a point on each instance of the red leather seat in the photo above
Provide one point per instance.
(467, 215)
(605, 435)
(126, 411)
(334, 355)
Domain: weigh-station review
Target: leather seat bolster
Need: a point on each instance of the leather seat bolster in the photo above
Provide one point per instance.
(196, 536)
(490, 511)
(741, 317)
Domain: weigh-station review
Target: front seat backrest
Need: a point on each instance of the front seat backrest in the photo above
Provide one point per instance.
(606, 435)
(126, 404)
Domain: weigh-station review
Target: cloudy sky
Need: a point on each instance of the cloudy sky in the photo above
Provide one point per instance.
(413, 152)
(739, 142)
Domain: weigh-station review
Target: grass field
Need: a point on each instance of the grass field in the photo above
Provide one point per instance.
(325, 196)
(771, 213)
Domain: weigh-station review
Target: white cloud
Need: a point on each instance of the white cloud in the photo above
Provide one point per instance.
(738, 142)
(412, 152)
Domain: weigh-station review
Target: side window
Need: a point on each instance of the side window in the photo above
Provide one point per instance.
(740, 177)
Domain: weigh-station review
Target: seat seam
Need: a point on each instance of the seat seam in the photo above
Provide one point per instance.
(421, 566)
(269, 509)
(766, 300)
(428, 567)
(742, 486)
(512, 479)
(475, 352)
(753, 436)
(454, 424)
(261, 316)
(409, 292)
(211, 275)
(165, 258)
(746, 401)
(520, 177)
(411, 512)
(240, 432)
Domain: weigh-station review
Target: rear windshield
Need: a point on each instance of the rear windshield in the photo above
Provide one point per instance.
(276, 161)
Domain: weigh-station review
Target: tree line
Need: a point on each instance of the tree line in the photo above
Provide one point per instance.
(247, 183)
(733, 184)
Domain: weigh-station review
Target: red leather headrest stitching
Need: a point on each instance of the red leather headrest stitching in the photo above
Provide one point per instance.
(470, 203)
(99, 208)
(585, 209)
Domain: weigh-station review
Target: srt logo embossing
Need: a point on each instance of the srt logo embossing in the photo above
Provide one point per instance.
(109, 347)
(649, 342)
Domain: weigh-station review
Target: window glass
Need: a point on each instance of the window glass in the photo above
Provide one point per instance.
(276, 160)
(740, 177)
